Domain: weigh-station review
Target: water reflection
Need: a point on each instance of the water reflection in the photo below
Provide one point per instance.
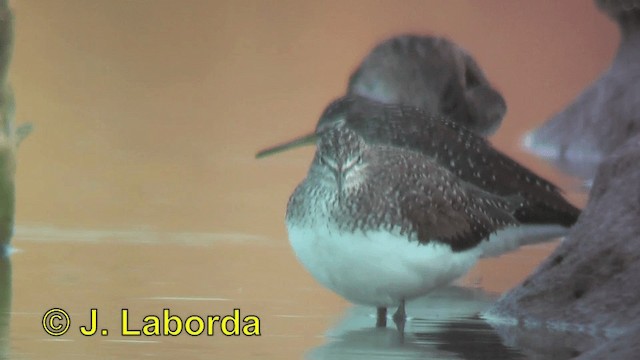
(448, 325)
(5, 305)
(470, 338)
(443, 325)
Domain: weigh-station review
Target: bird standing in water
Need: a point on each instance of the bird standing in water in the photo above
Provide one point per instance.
(398, 202)
(404, 192)
(380, 225)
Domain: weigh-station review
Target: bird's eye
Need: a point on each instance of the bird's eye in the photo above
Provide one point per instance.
(359, 159)
(321, 160)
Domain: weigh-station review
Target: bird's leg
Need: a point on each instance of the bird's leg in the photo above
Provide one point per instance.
(400, 317)
(381, 321)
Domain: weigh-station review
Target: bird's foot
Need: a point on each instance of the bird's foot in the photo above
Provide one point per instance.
(381, 320)
(400, 319)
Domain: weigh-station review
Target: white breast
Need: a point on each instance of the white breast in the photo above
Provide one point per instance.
(376, 268)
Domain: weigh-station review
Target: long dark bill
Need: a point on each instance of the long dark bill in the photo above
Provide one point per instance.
(304, 140)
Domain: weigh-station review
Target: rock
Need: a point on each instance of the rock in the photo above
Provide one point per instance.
(590, 286)
(605, 115)
(625, 346)
(619, 10)
(432, 73)
(586, 293)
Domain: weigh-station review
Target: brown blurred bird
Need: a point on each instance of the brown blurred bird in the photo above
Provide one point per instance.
(434, 74)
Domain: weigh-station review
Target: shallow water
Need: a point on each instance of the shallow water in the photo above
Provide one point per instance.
(202, 274)
(138, 188)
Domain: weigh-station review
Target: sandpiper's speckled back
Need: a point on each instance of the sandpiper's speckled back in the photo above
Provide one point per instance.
(353, 186)
(466, 155)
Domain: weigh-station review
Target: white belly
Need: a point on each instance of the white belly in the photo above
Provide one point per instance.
(376, 268)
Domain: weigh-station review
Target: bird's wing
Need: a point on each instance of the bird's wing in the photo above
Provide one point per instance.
(437, 205)
(465, 154)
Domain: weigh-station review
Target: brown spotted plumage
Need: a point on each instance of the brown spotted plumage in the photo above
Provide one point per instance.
(378, 187)
(470, 157)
